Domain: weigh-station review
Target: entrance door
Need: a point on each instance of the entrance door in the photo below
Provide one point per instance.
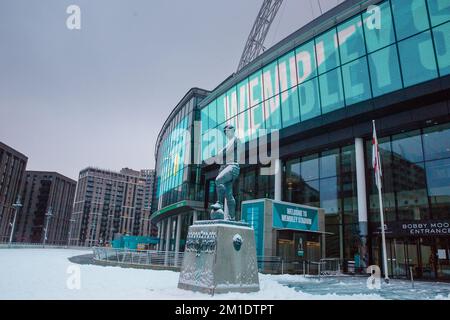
(286, 249)
(427, 268)
(399, 258)
(442, 258)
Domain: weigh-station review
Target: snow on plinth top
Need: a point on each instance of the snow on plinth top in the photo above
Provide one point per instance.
(221, 222)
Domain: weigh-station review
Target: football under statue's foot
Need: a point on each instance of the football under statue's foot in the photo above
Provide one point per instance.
(217, 211)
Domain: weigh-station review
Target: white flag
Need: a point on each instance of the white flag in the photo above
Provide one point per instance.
(376, 161)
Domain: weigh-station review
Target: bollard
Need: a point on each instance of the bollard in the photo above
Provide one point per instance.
(319, 270)
(412, 277)
(304, 268)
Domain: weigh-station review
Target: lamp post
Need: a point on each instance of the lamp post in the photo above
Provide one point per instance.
(16, 207)
(70, 231)
(49, 214)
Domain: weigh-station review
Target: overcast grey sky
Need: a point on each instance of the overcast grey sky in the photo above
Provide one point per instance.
(99, 96)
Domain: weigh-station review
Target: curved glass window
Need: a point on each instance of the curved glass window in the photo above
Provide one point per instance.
(231, 103)
(410, 17)
(385, 71)
(439, 11)
(331, 93)
(287, 71)
(242, 95)
(272, 113)
(270, 80)
(377, 38)
(327, 51)
(290, 108)
(441, 36)
(306, 62)
(356, 81)
(309, 99)
(417, 59)
(351, 40)
(255, 88)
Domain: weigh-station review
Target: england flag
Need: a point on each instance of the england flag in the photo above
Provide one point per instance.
(376, 161)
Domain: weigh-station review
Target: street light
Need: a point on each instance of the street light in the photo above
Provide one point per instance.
(70, 231)
(49, 214)
(16, 207)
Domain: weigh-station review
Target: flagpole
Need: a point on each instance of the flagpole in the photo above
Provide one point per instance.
(378, 180)
(383, 238)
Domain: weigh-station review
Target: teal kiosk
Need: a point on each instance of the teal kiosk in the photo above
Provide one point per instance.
(287, 230)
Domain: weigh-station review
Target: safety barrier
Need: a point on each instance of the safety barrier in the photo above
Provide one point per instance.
(24, 245)
(266, 264)
(138, 257)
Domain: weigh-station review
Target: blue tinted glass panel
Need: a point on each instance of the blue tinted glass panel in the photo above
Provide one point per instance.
(309, 168)
(212, 113)
(306, 62)
(441, 36)
(244, 125)
(407, 147)
(410, 17)
(385, 71)
(351, 40)
(439, 11)
(377, 38)
(287, 71)
(256, 120)
(327, 52)
(243, 96)
(255, 87)
(331, 94)
(270, 80)
(290, 108)
(417, 59)
(356, 81)
(232, 103)
(221, 109)
(436, 142)
(272, 113)
(204, 119)
(309, 99)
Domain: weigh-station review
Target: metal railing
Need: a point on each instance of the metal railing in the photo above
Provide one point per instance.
(266, 264)
(138, 257)
(277, 265)
(330, 266)
(25, 245)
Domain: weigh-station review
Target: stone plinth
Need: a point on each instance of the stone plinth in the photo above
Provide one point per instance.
(220, 256)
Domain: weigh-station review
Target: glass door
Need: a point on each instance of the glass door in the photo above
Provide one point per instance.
(442, 258)
(427, 268)
(412, 260)
(399, 259)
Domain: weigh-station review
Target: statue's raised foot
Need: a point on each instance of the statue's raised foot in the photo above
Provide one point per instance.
(217, 212)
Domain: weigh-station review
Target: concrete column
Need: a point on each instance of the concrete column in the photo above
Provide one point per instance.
(194, 216)
(362, 199)
(177, 239)
(161, 235)
(167, 246)
(278, 180)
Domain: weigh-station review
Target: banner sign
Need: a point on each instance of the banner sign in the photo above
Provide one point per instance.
(419, 228)
(295, 217)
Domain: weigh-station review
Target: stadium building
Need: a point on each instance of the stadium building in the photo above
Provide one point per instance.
(318, 91)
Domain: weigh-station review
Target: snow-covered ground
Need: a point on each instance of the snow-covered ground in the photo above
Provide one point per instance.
(48, 274)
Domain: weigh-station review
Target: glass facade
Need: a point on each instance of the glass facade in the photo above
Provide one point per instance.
(328, 180)
(416, 180)
(348, 64)
(416, 175)
(177, 178)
